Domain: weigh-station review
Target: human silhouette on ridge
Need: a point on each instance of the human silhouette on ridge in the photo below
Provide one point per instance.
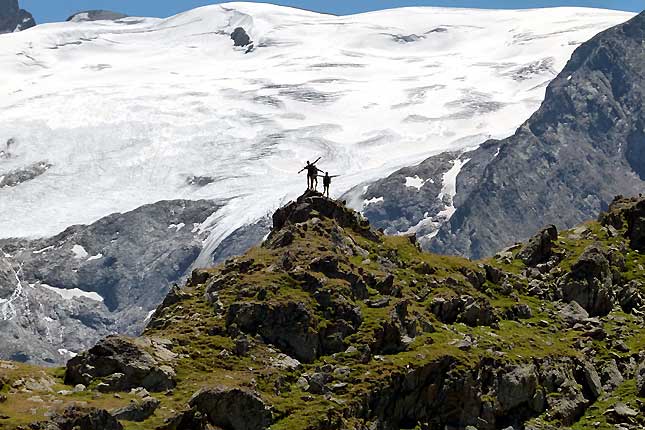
(312, 174)
(327, 182)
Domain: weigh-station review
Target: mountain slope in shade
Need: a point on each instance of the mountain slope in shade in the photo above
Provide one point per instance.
(584, 145)
(58, 295)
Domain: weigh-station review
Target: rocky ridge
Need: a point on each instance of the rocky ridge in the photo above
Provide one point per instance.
(96, 15)
(12, 18)
(331, 324)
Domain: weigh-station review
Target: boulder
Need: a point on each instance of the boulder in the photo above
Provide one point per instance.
(75, 417)
(475, 277)
(290, 326)
(620, 413)
(493, 274)
(519, 311)
(124, 364)
(564, 380)
(240, 37)
(629, 296)
(380, 302)
(539, 248)
(636, 225)
(592, 380)
(572, 313)
(516, 386)
(477, 312)
(467, 309)
(446, 309)
(396, 332)
(590, 282)
(318, 383)
(640, 379)
(137, 411)
(174, 296)
(610, 376)
(386, 286)
(232, 408)
(568, 406)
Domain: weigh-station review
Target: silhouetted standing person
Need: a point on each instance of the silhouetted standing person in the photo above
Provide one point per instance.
(312, 174)
(327, 182)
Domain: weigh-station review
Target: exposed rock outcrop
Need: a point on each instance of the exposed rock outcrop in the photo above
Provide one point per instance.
(636, 225)
(121, 364)
(408, 200)
(562, 166)
(79, 418)
(96, 15)
(93, 280)
(290, 326)
(240, 37)
(640, 379)
(228, 408)
(590, 123)
(137, 411)
(312, 204)
(590, 282)
(467, 309)
(12, 18)
(538, 249)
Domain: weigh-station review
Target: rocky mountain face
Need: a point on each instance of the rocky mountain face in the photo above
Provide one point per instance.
(12, 18)
(59, 295)
(96, 15)
(330, 324)
(564, 165)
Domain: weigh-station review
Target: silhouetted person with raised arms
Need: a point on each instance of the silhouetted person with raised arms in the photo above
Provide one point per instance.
(327, 182)
(312, 174)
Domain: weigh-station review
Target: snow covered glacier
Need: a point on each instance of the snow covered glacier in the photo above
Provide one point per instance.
(129, 112)
(100, 117)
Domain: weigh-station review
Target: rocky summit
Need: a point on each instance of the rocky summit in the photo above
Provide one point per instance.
(12, 18)
(331, 324)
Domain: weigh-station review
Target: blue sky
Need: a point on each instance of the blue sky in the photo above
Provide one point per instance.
(59, 10)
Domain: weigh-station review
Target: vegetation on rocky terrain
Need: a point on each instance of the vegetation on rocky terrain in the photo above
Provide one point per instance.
(330, 324)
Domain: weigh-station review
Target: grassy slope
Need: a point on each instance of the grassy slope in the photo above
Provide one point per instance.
(207, 360)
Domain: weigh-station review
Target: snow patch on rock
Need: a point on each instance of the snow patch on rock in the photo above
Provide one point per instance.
(67, 353)
(95, 257)
(449, 188)
(79, 252)
(177, 227)
(74, 293)
(414, 182)
(372, 201)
